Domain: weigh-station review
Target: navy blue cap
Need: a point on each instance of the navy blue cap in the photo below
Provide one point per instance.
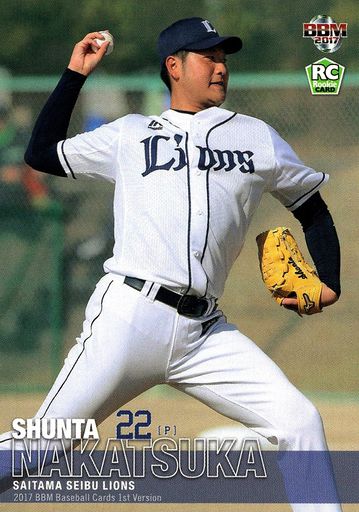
(194, 34)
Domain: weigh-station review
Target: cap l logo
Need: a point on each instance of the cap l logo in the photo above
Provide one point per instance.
(209, 27)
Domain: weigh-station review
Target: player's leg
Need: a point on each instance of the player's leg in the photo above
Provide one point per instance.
(233, 376)
(120, 353)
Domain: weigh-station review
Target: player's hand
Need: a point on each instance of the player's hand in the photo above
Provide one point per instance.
(327, 298)
(83, 58)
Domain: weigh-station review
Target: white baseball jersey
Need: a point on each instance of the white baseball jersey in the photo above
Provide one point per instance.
(186, 189)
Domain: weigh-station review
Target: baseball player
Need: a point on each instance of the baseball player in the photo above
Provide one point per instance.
(187, 183)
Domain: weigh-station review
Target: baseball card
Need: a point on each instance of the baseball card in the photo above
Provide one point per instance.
(177, 209)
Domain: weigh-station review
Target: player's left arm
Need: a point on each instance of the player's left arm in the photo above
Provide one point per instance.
(323, 244)
(297, 187)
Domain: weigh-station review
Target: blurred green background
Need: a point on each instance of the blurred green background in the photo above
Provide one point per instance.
(40, 34)
(55, 233)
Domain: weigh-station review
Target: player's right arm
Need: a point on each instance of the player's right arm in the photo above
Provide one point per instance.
(83, 60)
(53, 121)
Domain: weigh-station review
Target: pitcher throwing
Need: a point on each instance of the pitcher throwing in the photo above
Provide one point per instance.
(187, 183)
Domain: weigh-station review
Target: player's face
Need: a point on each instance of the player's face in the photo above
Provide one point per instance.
(202, 81)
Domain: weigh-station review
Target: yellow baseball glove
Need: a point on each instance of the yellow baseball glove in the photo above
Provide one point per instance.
(285, 271)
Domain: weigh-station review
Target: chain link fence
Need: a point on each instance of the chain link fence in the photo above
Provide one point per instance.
(323, 130)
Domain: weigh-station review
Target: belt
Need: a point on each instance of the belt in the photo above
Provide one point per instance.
(186, 305)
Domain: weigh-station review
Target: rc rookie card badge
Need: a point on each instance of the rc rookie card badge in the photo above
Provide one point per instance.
(325, 77)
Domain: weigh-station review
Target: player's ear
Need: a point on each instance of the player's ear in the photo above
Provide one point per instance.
(173, 65)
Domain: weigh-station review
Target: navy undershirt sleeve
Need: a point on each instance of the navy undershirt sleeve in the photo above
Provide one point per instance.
(52, 124)
(322, 239)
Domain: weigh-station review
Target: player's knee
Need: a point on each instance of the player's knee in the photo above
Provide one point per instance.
(6, 441)
(304, 431)
(311, 420)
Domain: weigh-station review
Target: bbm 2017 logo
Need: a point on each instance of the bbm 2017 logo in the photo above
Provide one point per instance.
(325, 76)
(327, 35)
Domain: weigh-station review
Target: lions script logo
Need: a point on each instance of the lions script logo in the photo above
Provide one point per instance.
(157, 149)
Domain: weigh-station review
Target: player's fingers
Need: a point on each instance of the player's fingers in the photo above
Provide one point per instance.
(290, 303)
(95, 44)
(89, 40)
(94, 35)
(102, 49)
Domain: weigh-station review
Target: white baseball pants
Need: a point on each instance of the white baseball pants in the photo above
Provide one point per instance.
(130, 343)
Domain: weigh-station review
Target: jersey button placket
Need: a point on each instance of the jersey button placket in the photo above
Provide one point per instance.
(199, 214)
